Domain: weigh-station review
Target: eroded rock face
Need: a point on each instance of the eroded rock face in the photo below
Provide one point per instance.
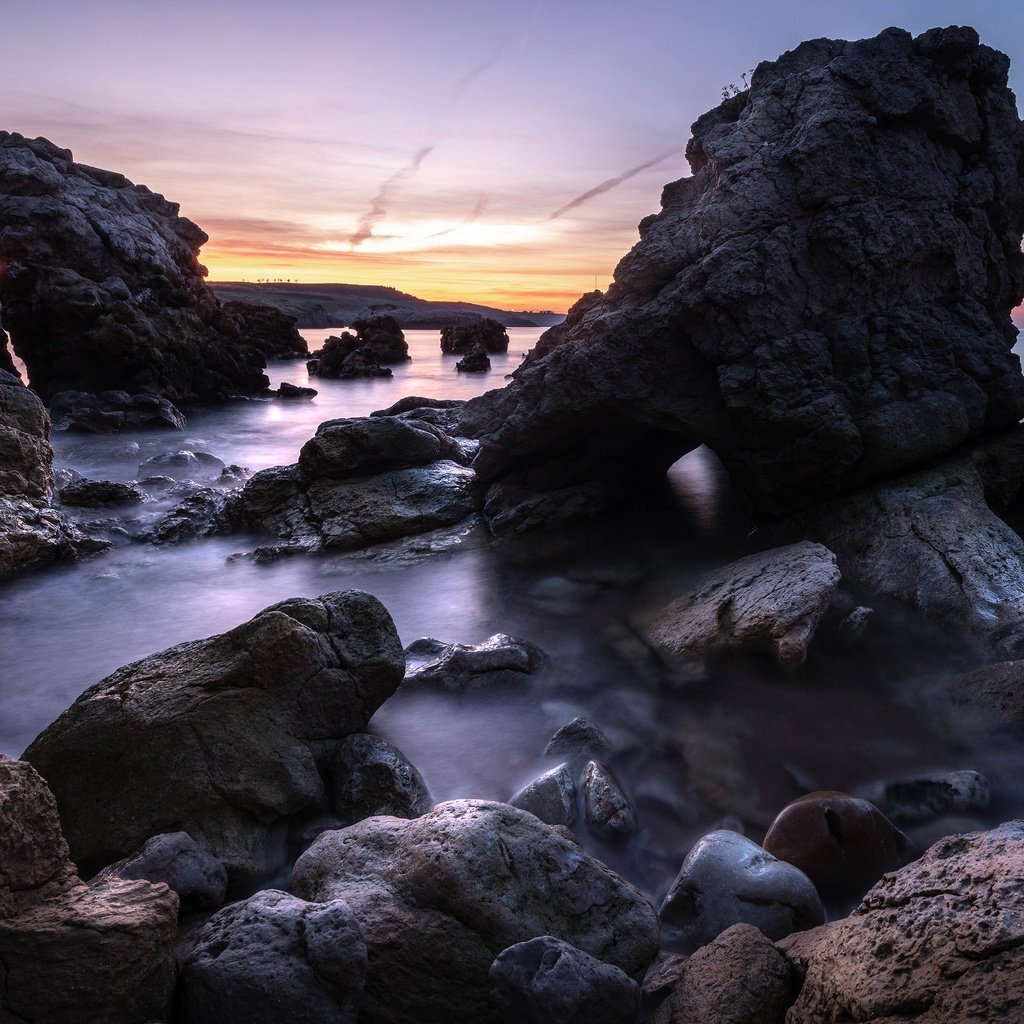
(824, 302)
(459, 339)
(439, 897)
(939, 941)
(219, 737)
(768, 603)
(70, 952)
(102, 288)
(270, 330)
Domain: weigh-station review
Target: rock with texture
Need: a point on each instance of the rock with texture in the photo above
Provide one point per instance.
(475, 360)
(268, 329)
(84, 493)
(578, 740)
(546, 979)
(770, 603)
(111, 411)
(825, 302)
(551, 797)
(925, 796)
(606, 808)
(275, 959)
(371, 776)
(458, 339)
(440, 896)
(174, 858)
(726, 879)
(219, 737)
(102, 288)
(69, 952)
(996, 692)
(940, 941)
(343, 357)
(500, 660)
(26, 458)
(841, 842)
(737, 978)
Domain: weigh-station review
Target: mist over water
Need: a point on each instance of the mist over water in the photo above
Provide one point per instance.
(741, 737)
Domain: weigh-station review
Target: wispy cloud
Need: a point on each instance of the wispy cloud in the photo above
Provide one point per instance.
(610, 183)
(379, 204)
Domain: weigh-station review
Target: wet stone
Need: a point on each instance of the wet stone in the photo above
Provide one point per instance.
(551, 797)
(578, 739)
(607, 809)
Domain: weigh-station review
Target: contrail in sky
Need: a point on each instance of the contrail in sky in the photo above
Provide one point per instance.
(481, 205)
(610, 184)
(378, 205)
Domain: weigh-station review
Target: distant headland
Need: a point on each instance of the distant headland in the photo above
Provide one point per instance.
(332, 305)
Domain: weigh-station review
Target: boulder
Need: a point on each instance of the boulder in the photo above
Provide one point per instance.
(70, 952)
(770, 603)
(370, 776)
(995, 692)
(268, 329)
(102, 287)
(726, 879)
(737, 978)
(84, 493)
(286, 390)
(275, 959)
(364, 446)
(34, 534)
(174, 858)
(606, 808)
(182, 465)
(26, 458)
(546, 979)
(111, 411)
(841, 842)
(345, 357)
(551, 797)
(440, 896)
(488, 334)
(937, 942)
(500, 660)
(578, 740)
(474, 361)
(384, 337)
(220, 737)
(825, 302)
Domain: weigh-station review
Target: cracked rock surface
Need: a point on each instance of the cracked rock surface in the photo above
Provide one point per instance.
(219, 737)
(939, 942)
(437, 898)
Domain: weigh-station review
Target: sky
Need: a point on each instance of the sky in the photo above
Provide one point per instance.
(456, 149)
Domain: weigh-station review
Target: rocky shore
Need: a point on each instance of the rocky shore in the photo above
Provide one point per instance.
(213, 834)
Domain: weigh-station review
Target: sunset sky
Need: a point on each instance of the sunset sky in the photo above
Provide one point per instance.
(439, 147)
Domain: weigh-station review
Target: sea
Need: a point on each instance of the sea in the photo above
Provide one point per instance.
(723, 745)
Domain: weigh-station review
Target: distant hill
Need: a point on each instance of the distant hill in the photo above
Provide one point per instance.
(335, 305)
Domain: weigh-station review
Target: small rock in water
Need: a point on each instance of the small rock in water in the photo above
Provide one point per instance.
(546, 979)
(182, 465)
(577, 740)
(852, 628)
(372, 776)
(606, 807)
(499, 660)
(475, 360)
(174, 858)
(727, 879)
(929, 796)
(551, 797)
(286, 390)
(91, 493)
(843, 843)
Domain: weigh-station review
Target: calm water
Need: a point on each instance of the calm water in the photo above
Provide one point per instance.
(743, 740)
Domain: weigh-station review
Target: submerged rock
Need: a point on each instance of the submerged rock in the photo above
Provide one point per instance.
(937, 941)
(102, 288)
(71, 952)
(726, 879)
(474, 361)
(824, 303)
(219, 737)
(439, 897)
(770, 602)
(499, 661)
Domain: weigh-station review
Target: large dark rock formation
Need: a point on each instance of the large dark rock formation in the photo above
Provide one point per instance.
(458, 339)
(824, 302)
(271, 331)
(102, 288)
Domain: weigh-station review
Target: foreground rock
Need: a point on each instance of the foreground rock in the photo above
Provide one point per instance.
(488, 334)
(939, 941)
(274, 959)
(546, 979)
(102, 288)
(824, 303)
(439, 897)
(220, 737)
(71, 952)
(768, 603)
(726, 879)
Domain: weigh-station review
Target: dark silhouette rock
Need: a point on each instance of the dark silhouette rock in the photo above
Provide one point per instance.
(579, 740)
(551, 797)
(995, 692)
(545, 979)
(841, 842)
(474, 361)
(500, 660)
(102, 288)
(286, 390)
(825, 302)
(383, 336)
(112, 411)
(69, 952)
(220, 737)
(346, 357)
(268, 329)
(606, 808)
(371, 776)
(937, 941)
(92, 493)
(458, 339)
(440, 896)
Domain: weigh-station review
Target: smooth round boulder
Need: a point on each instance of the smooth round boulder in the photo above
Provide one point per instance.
(545, 979)
(361, 446)
(841, 842)
(726, 879)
